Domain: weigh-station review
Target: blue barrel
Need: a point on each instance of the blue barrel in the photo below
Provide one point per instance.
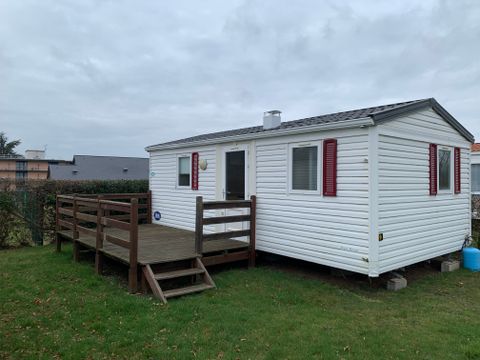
(471, 259)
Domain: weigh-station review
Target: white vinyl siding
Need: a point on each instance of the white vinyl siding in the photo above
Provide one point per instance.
(332, 231)
(417, 226)
(177, 204)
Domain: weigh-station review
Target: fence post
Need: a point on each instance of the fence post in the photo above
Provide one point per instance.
(199, 226)
(76, 250)
(39, 218)
(58, 239)
(99, 238)
(149, 206)
(253, 220)
(132, 273)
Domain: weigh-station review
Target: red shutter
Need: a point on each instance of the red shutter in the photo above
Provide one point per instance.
(330, 167)
(195, 171)
(456, 169)
(433, 169)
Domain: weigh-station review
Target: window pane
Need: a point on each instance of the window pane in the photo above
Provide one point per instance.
(184, 180)
(304, 168)
(476, 178)
(184, 171)
(184, 165)
(444, 169)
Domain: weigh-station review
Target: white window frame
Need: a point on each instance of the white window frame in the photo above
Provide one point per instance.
(452, 169)
(292, 146)
(177, 173)
(471, 177)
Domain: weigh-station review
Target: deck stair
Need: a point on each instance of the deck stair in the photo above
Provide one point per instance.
(196, 272)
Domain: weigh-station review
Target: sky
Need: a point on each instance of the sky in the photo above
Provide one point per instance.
(110, 77)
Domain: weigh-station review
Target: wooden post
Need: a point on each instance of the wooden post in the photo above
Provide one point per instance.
(132, 273)
(76, 249)
(58, 239)
(143, 283)
(199, 226)
(253, 210)
(149, 207)
(99, 238)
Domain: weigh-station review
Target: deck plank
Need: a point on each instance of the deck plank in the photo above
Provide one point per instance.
(160, 244)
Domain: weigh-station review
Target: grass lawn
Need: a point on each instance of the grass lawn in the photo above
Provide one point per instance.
(53, 308)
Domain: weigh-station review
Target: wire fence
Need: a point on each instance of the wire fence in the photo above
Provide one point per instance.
(30, 206)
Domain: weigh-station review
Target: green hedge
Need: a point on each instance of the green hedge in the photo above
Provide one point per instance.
(33, 204)
(48, 189)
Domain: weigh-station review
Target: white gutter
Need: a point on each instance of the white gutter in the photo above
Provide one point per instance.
(361, 122)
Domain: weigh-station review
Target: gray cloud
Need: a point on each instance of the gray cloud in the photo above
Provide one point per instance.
(110, 77)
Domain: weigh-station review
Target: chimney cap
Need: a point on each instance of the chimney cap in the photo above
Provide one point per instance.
(273, 112)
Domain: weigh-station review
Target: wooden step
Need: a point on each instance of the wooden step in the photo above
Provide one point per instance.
(149, 277)
(178, 273)
(187, 290)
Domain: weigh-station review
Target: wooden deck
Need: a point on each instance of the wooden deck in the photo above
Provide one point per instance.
(158, 244)
(120, 226)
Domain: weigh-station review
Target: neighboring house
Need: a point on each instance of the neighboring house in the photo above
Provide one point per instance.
(368, 190)
(32, 166)
(90, 167)
(475, 161)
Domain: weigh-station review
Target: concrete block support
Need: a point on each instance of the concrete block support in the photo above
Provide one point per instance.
(450, 265)
(396, 283)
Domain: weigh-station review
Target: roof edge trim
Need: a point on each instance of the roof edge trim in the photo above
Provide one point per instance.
(439, 109)
(352, 123)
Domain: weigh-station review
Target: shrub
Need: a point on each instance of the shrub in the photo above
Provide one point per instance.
(7, 206)
(34, 203)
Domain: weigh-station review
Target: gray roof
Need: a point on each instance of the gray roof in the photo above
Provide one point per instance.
(90, 167)
(376, 113)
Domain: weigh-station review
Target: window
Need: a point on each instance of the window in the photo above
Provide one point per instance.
(304, 168)
(21, 165)
(444, 169)
(476, 178)
(184, 169)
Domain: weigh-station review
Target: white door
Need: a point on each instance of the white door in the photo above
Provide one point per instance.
(235, 182)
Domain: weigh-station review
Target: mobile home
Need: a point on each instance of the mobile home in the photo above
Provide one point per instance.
(368, 190)
(475, 171)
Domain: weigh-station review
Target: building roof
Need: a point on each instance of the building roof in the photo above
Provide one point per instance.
(11, 157)
(475, 147)
(90, 167)
(356, 117)
(24, 159)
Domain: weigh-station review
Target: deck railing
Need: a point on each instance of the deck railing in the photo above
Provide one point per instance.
(93, 215)
(201, 221)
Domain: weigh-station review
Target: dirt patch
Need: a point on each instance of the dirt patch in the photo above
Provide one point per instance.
(346, 279)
